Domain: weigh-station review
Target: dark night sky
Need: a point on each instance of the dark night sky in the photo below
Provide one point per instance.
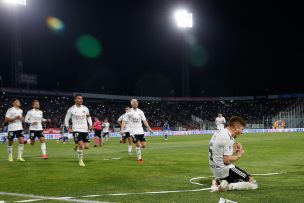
(250, 46)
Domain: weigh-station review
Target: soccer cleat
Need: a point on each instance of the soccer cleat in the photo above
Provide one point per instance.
(95, 145)
(81, 163)
(140, 161)
(45, 156)
(223, 187)
(21, 159)
(10, 158)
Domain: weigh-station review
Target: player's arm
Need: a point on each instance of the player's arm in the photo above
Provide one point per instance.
(229, 159)
(122, 127)
(66, 121)
(230, 154)
(27, 118)
(8, 117)
(89, 118)
(143, 118)
(119, 121)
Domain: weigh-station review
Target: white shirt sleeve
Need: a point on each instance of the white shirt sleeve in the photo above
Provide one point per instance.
(120, 118)
(224, 120)
(126, 117)
(8, 114)
(67, 118)
(228, 148)
(27, 118)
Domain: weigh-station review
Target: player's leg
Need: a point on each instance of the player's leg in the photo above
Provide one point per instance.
(239, 179)
(43, 145)
(32, 137)
(86, 140)
(107, 137)
(10, 137)
(129, 142)
(19, 135)
(96, 140)
(80, 146)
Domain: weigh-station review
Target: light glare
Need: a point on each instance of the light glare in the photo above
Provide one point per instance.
(183, 19)
(16, 2)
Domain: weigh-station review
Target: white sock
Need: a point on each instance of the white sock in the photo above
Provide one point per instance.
(10, 150)
(129, 148)
(80, 154)
(43, 148)
(20, 150)
(243, 186)
(138, 152)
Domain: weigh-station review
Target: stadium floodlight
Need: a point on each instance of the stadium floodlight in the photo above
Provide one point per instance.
(183, 19)
(16, 2)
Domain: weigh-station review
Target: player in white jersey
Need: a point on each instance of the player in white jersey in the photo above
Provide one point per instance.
(126, 134)
(135, 117)
(80, 119)
(223, 152)
(35, 118)
(105, 130)
(14, 118)
(220, 121)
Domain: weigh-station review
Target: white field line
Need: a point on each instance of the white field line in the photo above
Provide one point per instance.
(147, 193)
(64, 199)
(30, 200)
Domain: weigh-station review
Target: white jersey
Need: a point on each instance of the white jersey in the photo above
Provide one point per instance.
(121, 118)
(220, 144)
(34, 116)
(16, 124)
(80, 119)
(135, 118)
(219, 122)
(105, 127)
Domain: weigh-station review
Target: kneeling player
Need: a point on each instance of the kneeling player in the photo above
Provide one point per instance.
(80, 118)
(135, 116)
(126, 135)
(35, 118)
(223, 153)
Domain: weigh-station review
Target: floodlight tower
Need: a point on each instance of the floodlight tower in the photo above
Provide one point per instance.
(17, 63)
(184, 21)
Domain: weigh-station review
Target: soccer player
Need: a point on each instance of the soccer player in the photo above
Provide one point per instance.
(135, 117)
(97, 129)
(80, 119)
(166, 129)
(126, 134)
(14, 118)
(223, 152)
(105, 130)
(35, 118)
(220, 121)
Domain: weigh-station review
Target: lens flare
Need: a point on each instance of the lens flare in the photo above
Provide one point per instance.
(55, 24)
(88, 46)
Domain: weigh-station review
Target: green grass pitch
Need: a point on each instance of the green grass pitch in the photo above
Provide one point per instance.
(168, 166)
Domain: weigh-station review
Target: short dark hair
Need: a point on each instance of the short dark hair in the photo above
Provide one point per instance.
(236, 119)
(35, 100)
(77, 95)
(14, 99)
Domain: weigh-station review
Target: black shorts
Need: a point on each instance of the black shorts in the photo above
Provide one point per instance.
(36, 133)
(81, 136)
(98, 133)
(137, 138)
(14, 134)
(126, 135)
(104, 134)
(236, 175)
